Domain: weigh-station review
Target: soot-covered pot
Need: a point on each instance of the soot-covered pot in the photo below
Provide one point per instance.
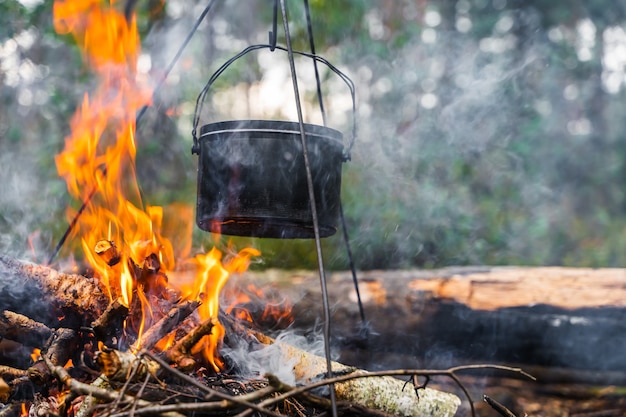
(252, 178)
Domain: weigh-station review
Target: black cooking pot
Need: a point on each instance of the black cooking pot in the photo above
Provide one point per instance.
(252, 179)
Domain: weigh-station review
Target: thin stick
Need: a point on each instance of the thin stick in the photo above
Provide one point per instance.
(500, 408)
(230, 401)
(314, 216)
(81, 388)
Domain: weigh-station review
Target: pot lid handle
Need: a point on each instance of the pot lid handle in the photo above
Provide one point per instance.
(195, 149)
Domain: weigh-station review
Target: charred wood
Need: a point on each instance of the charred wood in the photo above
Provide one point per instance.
(385, 394)
(8, 373)
(109, 324)
(151, 278)
(550, 317)
(107, 250)
(11, 410)
(62, 345)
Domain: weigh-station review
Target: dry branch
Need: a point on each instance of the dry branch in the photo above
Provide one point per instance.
(9, 373)
(81, 388)
(22, 329)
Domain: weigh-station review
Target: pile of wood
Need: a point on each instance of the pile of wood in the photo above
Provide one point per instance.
(85, 361)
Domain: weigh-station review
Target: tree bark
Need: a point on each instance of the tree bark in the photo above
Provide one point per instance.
(46, 295)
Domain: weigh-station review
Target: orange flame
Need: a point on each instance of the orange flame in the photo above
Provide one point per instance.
(211, 277)
(36, 354)
(98, 165)
(99, 153)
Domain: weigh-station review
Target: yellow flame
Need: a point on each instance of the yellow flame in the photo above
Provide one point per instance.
(99, 156)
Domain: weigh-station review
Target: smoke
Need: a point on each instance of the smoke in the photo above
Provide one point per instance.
(254, 360)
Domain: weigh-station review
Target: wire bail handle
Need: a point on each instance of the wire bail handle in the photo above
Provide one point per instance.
(195, 149)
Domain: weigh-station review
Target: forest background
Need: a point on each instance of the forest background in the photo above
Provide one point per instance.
(489, 131)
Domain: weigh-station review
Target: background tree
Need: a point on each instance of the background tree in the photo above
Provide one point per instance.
(491, 131)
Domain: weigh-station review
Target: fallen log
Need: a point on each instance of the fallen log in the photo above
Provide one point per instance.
(22, 329)
(45, 294)
(551, 317)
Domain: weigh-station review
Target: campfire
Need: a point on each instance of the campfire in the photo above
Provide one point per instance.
(140, 331)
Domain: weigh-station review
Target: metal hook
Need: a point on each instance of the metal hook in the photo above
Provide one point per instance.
(273, 33)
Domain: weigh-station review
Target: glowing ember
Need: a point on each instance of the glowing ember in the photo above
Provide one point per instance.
(35, 355)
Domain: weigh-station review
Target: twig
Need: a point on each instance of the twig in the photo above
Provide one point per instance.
(100, 393)
(229, 401)
(137, 364)
(60, 347)
(450, 372)
(139, 394)
(500, 408)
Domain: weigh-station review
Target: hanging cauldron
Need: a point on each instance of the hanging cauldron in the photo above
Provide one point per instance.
(252, 178)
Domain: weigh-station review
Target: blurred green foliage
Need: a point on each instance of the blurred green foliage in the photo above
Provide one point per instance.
(490, 131)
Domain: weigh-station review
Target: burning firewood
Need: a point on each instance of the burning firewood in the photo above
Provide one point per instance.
(180, 353)
(107, 250)
(117, 365)
(21, 284)
(164, 326)
(107, 326)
